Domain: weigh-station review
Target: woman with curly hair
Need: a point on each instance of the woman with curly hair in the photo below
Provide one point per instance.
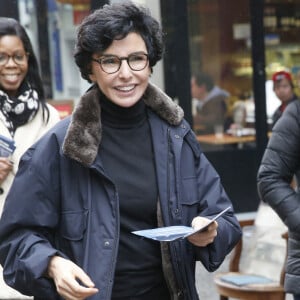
(126, 160)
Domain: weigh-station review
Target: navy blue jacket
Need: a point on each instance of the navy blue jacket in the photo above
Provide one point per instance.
(62, 202)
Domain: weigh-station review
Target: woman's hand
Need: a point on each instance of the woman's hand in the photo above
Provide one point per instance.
(203, 238)
(5, 167)
(67, 276)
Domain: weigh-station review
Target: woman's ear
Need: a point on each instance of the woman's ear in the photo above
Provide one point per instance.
(91, 74)
(150, 71)
(92, 77)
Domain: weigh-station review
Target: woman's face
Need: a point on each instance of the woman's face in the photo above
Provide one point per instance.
(12, 72)
(283, 90)
(124, 87)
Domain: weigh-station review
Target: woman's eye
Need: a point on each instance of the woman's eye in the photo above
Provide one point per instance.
(19, 57)
(136, 57)
(3, 57)
(109, 61)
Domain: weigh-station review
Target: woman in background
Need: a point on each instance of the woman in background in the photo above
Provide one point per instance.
(24, 114)
(283, 87)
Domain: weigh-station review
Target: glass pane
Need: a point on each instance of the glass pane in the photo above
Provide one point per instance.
(282, 29)
(63, 18)
(221, 66)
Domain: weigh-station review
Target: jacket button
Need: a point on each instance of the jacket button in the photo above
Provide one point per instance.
(177, 136)
(180, 295)
(106, 243)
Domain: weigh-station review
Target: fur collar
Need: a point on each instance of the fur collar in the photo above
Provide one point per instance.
(84, 133)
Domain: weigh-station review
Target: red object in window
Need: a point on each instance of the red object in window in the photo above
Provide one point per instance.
(79, 15)
(64, 107)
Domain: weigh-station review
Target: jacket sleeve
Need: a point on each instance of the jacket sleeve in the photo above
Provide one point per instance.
(28, 222)
(280, 162)
(212, 200)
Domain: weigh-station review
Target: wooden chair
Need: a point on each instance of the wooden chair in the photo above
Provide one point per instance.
(270, 291)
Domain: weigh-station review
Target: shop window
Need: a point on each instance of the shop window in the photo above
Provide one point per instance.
(221, 68)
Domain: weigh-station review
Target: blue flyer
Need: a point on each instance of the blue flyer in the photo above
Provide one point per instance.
(7, 146)
(173, 233)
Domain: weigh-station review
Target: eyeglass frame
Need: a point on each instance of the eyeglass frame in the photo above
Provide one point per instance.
(8, 57)
(99, 61)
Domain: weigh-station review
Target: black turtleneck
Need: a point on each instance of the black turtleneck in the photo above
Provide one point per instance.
(127, 154)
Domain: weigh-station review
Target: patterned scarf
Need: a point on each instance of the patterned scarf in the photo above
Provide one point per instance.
(15, 112)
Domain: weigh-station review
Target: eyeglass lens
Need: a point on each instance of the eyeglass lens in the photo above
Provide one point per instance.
(18, 58)
(136, 62)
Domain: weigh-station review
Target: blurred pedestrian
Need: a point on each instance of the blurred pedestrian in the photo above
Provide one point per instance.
(210, 103)
(283, 87)
(126, 160)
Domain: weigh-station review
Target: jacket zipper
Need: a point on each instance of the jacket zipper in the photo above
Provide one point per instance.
(115, 248)
(172, 246)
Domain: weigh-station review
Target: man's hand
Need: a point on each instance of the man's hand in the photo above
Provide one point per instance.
(67, 276)
(5, 167)
(203, 238)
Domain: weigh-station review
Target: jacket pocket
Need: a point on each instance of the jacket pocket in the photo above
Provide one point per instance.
(73, 225)
(189, 195)
(72, 234)
(189, 200)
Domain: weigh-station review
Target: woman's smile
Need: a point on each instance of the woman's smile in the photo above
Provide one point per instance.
(126, 89)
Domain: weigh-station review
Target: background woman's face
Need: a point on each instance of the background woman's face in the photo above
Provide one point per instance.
(11, 73)
(125, 87)
(283, 90)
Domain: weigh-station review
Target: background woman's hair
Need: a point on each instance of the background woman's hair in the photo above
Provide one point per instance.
(113, 22)
(9, 26)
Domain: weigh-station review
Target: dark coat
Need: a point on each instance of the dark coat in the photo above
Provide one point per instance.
(62, 202)
(280, 162)
(280, 109)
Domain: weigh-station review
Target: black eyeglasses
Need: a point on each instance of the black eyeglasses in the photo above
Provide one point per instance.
(111, 63)
(19, 58)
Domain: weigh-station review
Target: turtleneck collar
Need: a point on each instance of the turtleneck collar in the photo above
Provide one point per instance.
(115, 116)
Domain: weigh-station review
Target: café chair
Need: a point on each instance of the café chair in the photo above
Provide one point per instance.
(266, 291)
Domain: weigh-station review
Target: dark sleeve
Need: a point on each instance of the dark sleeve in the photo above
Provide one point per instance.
(28, 221)
(213, 199)
(280, 162)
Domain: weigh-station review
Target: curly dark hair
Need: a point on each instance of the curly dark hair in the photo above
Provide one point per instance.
(10, 26)
(114, 22)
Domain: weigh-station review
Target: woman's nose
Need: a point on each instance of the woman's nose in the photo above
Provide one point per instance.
(10, 62)
(125, 70)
